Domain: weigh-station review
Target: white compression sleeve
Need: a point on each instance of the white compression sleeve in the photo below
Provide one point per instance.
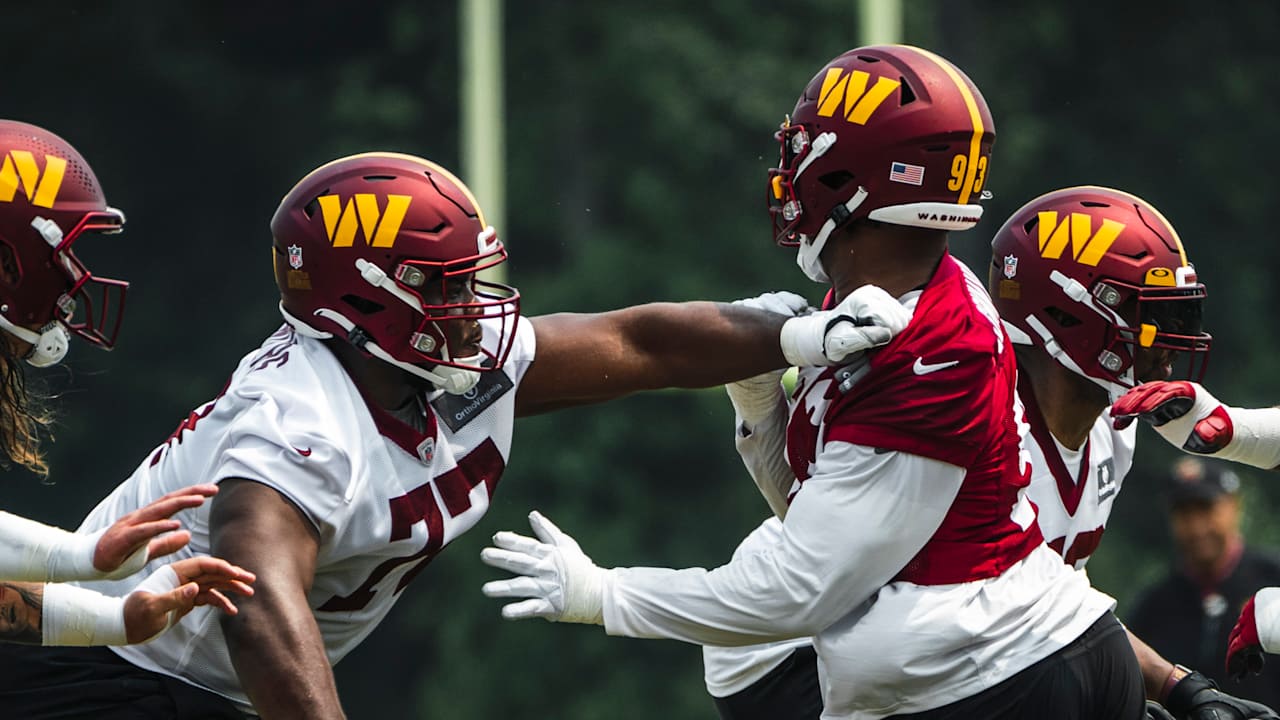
(35, 552)
(1256, 437)
(762, 447)
(75, 616)
(823, 566)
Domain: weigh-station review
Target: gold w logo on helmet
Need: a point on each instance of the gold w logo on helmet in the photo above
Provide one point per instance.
(362, 212)
(1087, 247)
(20, 170)
(859, 102)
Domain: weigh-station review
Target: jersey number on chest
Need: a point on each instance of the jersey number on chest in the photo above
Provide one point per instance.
(482, 465)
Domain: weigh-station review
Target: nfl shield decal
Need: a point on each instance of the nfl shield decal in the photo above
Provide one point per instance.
(1010, 266)
(295, 257)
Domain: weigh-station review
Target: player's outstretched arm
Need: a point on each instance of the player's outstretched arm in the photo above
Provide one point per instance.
(1189, 417)
(34, 552)
(274, 641)
(591, 358)
(57, 614)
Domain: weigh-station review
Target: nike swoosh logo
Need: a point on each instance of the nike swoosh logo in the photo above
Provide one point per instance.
(303, 453)
(921, 368)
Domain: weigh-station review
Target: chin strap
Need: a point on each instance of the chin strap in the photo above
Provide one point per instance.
(48, 346)
(1055, 350)
(807, 257)
(452, 380)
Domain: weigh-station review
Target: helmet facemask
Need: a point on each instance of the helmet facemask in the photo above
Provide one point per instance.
(1168, 329)
(93, 306)
(452, 297)
(60, 294)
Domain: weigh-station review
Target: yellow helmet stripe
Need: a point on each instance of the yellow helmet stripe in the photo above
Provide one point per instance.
(975, 145)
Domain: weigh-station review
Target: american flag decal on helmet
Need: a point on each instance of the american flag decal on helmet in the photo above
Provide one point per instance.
(906, 173)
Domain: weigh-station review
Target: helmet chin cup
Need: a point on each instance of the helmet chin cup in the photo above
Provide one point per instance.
(808, 257)
(51, 346)
(454, 381)
(48, 346)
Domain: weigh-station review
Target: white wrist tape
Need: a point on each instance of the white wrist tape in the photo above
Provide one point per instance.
(35, 552)
(1256, 437)
(1266, 613)
(584, 597)
(802, 340)
(160, 582)
(756, 398)
(79, 617)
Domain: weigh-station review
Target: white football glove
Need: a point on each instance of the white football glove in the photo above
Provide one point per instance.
(868, 318)
(755, 398)
(561, 583)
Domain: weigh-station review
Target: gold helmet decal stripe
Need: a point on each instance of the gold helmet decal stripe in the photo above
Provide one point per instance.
(975, 145)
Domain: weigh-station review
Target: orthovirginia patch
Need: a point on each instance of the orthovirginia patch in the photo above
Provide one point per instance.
(458, 410)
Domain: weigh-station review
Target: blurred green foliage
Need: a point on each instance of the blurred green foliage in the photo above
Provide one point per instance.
(638, 137)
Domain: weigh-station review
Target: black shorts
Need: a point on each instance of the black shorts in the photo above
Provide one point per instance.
(789, 692)
(1095, 677)
(39, 683)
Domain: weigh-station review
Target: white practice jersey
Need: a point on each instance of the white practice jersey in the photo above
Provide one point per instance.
(1074, 490)
(728, 670)
(384, 497)
(909, 609)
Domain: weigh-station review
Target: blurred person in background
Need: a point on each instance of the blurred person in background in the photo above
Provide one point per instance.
(1188, 614)
(907, 545)
(372, 429)
(49, 199)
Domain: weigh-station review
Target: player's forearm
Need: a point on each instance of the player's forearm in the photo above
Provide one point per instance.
(699, 344)
(824, 565)
(279, 657)
(34, 552)
(1155, 669)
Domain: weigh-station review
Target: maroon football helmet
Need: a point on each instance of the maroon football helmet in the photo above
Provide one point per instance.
(382, 249)
(1093, 275)
(892, 133)
(49, 197)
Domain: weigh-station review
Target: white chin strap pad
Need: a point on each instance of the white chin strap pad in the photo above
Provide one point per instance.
(51, 346)
(48, 346)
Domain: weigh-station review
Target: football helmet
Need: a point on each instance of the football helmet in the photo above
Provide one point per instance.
(892, 133)
(49, 197)
(1092, 275)
(382, 249)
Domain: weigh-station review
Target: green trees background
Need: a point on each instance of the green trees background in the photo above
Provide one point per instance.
(637, 136)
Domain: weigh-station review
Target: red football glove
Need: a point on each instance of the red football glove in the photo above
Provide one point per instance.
(1184, 413)
(1244, 649)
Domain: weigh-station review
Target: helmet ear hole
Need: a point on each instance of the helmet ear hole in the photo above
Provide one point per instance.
(1062, 317)
(836, 180)
(9, 273)
(363, 305)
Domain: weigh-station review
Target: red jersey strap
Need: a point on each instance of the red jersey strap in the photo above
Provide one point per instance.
(1070, 491)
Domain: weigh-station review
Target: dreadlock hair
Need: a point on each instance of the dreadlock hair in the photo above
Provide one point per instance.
(23, 416)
